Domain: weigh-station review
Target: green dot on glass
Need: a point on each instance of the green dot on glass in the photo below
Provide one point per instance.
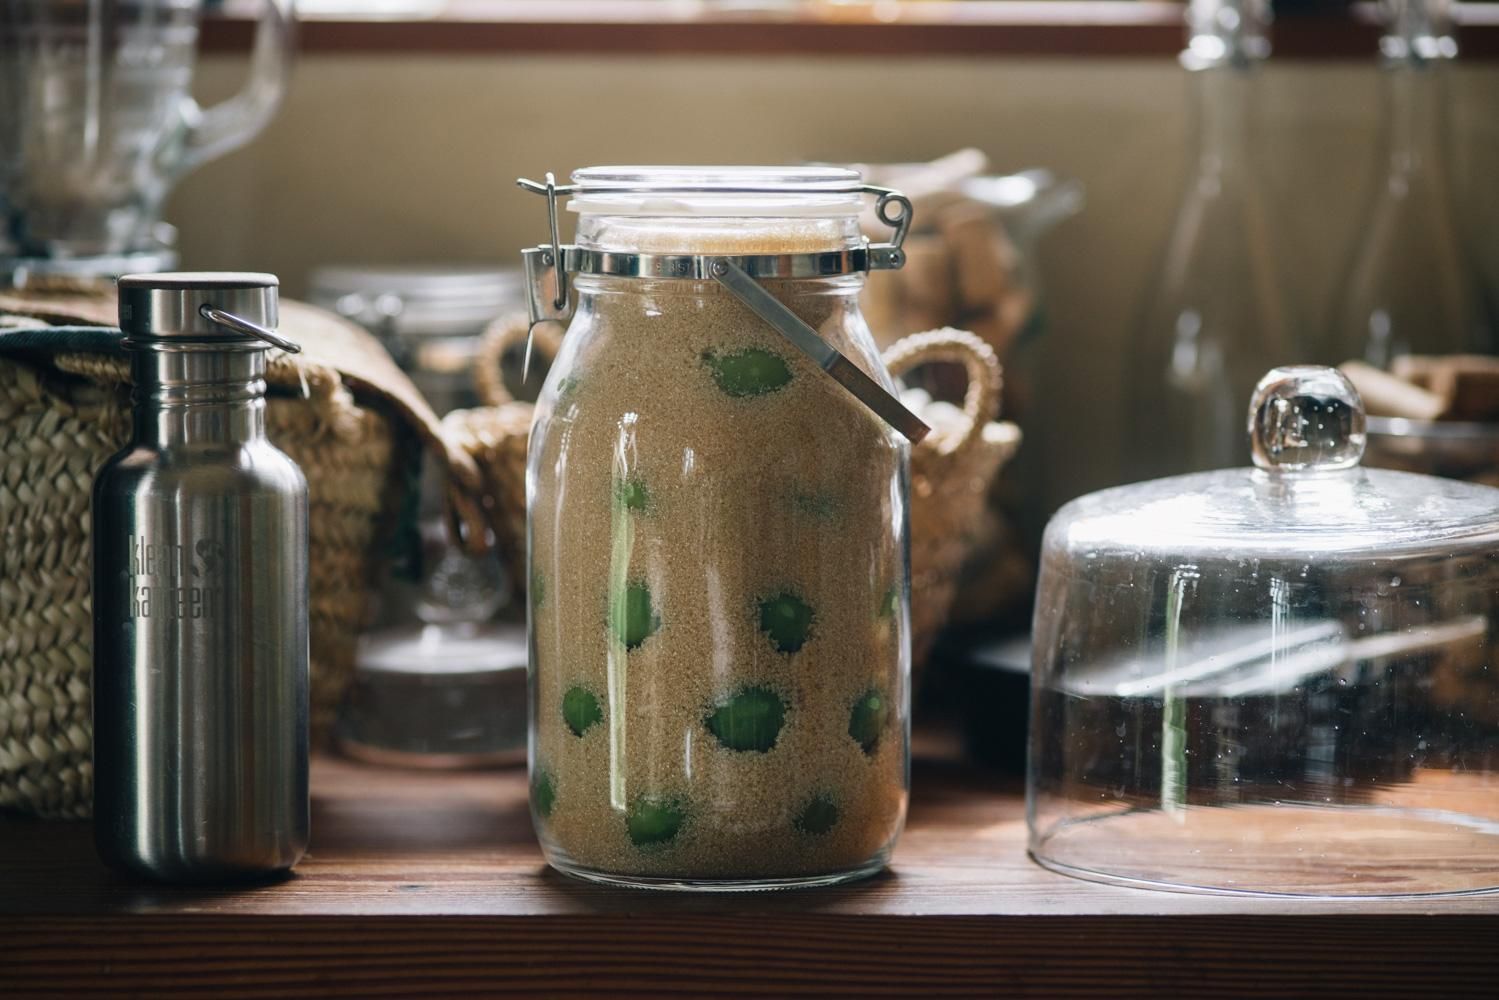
(867, 720)
(632, 494)
(537, 590)
(787, 619)
(751, 720)
(543, 794)
(890, 602)
(580, 709)
(818, 506)
(818, 816)
(750, 372)
(631, 616)
(654, 821)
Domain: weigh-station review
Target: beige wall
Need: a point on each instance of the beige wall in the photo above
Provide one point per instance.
(386, 159)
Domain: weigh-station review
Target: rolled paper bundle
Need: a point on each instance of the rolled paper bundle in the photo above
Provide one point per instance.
(961, 268)
(1468, 384)
(979, 258)
(1387, 395)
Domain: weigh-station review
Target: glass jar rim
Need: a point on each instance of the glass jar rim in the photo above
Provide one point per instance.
(726, 191)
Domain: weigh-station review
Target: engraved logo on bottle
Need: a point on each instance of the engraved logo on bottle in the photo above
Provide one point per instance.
(175, 581)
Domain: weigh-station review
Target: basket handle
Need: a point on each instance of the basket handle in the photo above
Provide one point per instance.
(980, 401)
(499, 337)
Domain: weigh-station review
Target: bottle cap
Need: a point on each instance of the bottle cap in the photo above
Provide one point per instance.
(201, 306)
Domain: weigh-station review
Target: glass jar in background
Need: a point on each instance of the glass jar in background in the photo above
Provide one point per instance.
(1216, 318)
(1411, 287)
(439, 682)
(718, 559)
(430, 319)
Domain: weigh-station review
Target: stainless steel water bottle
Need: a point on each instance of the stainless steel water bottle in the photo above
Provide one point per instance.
(200, 596)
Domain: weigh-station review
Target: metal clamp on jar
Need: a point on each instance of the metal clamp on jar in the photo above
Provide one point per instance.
(548, 266)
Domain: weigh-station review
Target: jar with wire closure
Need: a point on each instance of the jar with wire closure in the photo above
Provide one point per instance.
(717, 554)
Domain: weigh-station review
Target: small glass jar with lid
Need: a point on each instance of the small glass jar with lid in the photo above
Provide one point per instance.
(438, 682)
(1272, 680)
(719, 580)
(430, 318)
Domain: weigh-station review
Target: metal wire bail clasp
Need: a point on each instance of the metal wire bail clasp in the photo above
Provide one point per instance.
(546, 267)
(890, 256)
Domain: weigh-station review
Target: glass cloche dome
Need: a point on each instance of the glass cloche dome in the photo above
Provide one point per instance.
(1272, 680)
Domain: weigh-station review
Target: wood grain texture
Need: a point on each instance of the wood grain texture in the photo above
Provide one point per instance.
(430, 884)
(889, 28)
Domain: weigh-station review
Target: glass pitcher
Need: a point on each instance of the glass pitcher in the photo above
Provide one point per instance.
(97, 124)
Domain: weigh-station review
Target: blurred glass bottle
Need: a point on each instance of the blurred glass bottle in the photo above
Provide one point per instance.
(1410, 287)
(1215, 319)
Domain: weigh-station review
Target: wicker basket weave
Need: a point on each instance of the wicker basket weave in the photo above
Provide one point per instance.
(61, 416)
(496, 435)
(951, 471)
(951, 474)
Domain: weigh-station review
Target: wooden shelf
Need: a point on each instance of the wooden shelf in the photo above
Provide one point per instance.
(425, 884)
(894, 28)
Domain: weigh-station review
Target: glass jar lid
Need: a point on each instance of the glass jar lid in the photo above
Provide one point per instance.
(426, 301)
(718, 192)
(737, 257)
(1307, 497)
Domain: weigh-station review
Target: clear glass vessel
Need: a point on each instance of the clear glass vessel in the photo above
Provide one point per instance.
(1272, 680)
(718, 560)
(1215, 319)
(1410, 286)
(438, 682)
(97, 123)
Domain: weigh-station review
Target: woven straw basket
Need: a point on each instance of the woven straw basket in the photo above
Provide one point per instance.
(61, 416)
(496, 435)
(951, 471)
(951, 474)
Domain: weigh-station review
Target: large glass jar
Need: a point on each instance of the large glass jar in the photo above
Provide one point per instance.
(717, 550)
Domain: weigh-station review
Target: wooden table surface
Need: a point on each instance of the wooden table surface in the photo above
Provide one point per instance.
(430, 883)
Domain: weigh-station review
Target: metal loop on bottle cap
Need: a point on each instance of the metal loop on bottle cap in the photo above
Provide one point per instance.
(229, 321)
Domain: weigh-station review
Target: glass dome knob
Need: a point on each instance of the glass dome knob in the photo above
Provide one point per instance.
(1305, 418)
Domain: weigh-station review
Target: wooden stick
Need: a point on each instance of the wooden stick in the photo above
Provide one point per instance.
(1386, 395)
